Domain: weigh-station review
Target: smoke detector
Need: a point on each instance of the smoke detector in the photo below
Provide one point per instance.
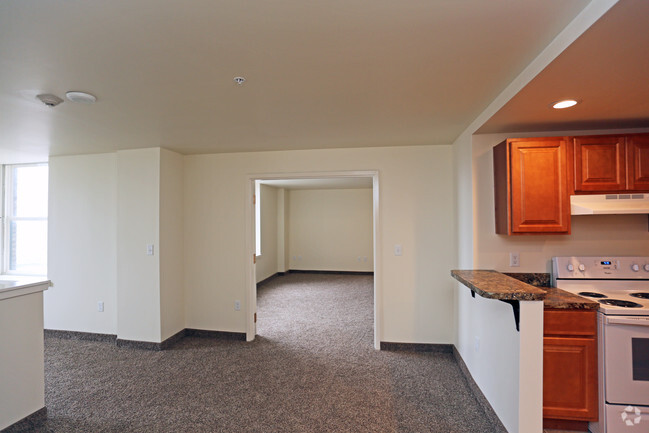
(82, 97)
(49, 99)
(239, 80)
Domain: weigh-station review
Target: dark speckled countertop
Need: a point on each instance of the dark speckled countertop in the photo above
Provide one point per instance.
(556, 298)
(561, 299)
(495, 285)
(523, 287)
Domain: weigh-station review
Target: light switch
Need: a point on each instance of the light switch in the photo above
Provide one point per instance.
(398, 250)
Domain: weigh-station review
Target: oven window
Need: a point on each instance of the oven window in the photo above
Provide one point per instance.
(640, 353)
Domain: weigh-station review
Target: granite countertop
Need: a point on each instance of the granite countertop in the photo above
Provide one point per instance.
(495, 285)
(556, 298)
(560, 299)
(523, 287)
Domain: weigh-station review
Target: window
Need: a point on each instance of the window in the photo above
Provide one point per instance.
(25, 219)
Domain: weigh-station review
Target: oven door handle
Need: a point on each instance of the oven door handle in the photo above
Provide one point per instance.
(627, 320)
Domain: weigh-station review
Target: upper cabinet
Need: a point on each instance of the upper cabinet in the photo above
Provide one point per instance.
(611, 163)
(637, 151)
(530, 184)
(534, 177)
(600, 163)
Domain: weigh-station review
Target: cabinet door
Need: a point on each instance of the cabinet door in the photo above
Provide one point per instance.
(539, 199)
(600, 164)
(638, 162)
(570, 378)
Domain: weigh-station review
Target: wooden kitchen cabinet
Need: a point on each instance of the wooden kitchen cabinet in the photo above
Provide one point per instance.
(611, 163)
(531, 186)
(570, 366)
(600, 163)
(637, 150)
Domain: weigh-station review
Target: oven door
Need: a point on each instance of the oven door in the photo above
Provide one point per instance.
(626, 359)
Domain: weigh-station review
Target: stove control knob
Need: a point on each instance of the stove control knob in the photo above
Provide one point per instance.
(646, 267)
(582, 268)
(635, 267)
(572, 268)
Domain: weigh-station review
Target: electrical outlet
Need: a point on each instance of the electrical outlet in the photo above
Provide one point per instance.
(476, 343)
(100, 306)
(514, 259)
(237, 305)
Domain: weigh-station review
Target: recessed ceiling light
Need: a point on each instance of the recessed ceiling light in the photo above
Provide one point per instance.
(566, 103)
(82, 97)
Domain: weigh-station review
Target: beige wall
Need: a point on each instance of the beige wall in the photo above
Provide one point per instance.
(415, 292)
(104, 211)
(171, 249)
(267, 262)
(416, 196)
(283, 219)
(331, 229)
(82, 243)
(138, 274)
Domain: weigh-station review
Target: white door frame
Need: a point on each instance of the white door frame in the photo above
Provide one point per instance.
(251, 284)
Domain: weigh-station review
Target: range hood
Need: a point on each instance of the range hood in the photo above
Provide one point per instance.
(609, 204)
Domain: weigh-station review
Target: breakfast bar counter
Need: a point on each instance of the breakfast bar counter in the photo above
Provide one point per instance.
(495, 285)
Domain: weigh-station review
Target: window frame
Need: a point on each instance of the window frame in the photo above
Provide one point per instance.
(7, 218)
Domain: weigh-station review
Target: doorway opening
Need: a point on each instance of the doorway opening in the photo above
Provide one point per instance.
(323, 237)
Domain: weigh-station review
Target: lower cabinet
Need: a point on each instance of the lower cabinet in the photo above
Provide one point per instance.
(570, 365)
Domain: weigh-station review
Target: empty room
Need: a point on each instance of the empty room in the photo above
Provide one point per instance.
(317, 216)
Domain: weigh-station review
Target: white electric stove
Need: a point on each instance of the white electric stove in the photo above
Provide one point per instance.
(621, 286)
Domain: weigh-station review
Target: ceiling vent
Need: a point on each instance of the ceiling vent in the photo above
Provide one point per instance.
(49, 99)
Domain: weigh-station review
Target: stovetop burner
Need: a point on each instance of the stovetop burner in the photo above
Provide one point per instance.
(642, 295)
(592, 294)
(620, 303)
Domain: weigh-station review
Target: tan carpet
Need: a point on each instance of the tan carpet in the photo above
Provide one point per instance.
(312, 368)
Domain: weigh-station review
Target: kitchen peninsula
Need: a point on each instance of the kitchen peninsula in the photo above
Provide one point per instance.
(492, 284)
(510, 344)
(21, 349)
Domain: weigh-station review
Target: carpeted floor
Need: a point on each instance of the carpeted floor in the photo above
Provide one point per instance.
(312, 368)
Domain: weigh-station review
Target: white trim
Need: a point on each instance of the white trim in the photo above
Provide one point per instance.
(251, 296)
(378, 269)
(257, 201)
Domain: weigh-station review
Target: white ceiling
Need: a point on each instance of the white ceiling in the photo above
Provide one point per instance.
(320, 74)
(606, 68)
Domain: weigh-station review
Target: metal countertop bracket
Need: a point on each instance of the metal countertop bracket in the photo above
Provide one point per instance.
(517, 311)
